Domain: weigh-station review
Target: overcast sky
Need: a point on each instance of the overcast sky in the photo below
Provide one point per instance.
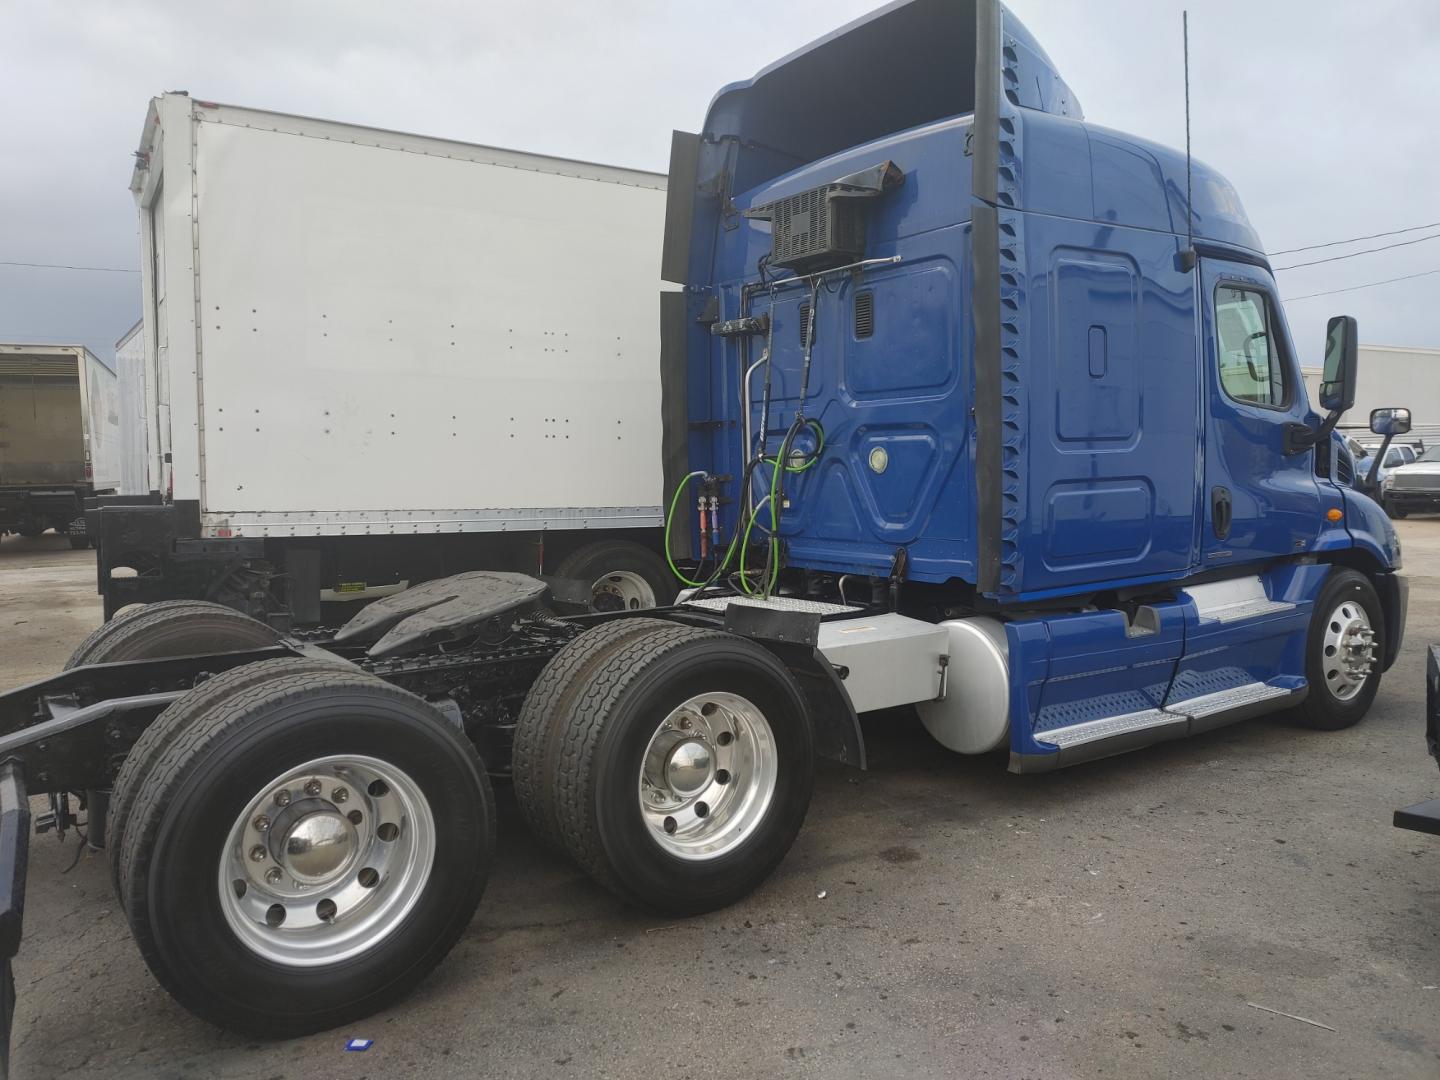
(1323, 113)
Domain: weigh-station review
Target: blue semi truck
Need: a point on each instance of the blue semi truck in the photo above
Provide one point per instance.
(971, 406)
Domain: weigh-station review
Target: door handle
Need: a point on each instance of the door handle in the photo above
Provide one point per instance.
(1220, 512)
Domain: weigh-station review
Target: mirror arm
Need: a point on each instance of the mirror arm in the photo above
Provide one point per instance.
(1375, 465)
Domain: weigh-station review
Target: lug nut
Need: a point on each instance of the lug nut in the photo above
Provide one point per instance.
(262, 823)
(273, 875)
(257, 853)
(340, 794)
(282, 797)
(312, 787)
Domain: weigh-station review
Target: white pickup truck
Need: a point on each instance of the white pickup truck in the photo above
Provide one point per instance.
(1413, 488)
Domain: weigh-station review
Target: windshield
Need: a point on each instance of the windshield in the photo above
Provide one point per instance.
(1433, 454)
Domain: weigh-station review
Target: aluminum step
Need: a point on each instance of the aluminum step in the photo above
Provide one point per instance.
(1109, 727)
(1224, 701)
(1248, 609)
(1181, 717)
(1235, 600)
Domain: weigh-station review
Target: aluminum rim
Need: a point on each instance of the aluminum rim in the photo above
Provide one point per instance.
(326, 861)
(1349, 650)
(622, 590)
(707, 778)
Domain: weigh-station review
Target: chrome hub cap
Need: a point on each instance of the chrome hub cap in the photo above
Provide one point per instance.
(708, 776)
(326, 860)
(690, 767)
(622, 590)
(1349, 656)
(316, 847)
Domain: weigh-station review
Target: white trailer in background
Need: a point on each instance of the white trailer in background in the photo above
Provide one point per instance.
(1393, 373)
(130, 370)
(59, 437)
(374, 358)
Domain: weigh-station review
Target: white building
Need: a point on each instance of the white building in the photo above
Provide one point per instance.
(1392, 375)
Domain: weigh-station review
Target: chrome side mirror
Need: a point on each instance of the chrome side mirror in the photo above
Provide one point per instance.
(1390, 421)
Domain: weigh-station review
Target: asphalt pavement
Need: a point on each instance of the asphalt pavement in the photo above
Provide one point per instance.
(1152, 915)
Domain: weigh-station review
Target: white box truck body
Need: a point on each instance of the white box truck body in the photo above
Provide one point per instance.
(130, 371)
(59, 436)
(359, 333)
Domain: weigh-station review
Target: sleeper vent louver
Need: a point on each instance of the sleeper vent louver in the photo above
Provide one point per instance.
(804, 325)
(864, 314)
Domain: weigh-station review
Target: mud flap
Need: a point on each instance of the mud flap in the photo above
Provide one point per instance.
(14, 857)
(1425, 817)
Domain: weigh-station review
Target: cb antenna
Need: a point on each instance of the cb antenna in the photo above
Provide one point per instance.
(1187, 257)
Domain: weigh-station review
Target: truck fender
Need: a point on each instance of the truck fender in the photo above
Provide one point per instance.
(833, 719)
(793, 637)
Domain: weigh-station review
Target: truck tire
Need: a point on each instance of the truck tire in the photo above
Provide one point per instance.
(305, 851)
(172, 628)
(686, 769)
(624, 576)
(540, 727)
(1342, 652)
(1396, 512)
(157, 737)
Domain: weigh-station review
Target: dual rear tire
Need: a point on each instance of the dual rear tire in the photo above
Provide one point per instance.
(674, 765)
(295, 843)
(307, 847)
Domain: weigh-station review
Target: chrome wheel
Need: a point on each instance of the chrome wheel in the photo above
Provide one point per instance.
(326, 860)
(622, 590)
(1349, 650)
(708, 776)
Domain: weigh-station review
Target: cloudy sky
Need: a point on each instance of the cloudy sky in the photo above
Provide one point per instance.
(1322, 112)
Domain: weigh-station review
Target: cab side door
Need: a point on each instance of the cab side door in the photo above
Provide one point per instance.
(1260, 498)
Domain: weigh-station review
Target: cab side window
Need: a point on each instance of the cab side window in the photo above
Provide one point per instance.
(1250, 366)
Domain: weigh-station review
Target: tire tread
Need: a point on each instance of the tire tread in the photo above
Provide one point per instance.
(546, 711)
(109, 641)
(574, 769)
(225, 701)
(146, 752)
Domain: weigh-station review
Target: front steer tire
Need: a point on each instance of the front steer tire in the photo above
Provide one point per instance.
(1323, 708)
(227, 760)
(618, 713)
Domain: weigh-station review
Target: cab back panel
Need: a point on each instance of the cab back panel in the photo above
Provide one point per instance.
(889, 379)
(1016, 401)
